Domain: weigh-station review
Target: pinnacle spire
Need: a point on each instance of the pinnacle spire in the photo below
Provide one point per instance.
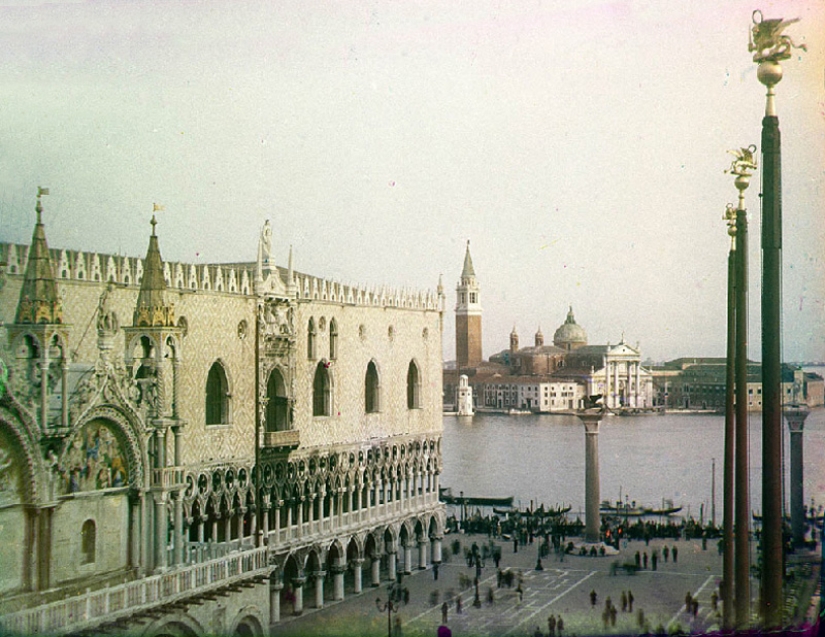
(468, 263)
(151, 308)
(39, 302)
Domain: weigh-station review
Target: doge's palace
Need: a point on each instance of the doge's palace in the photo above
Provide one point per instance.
(203, 449)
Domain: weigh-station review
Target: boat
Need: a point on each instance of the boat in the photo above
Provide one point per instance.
(622, 510)
(519, 412)
(445, 494)
(666, 511)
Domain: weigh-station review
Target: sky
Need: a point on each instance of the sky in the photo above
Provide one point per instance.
(579, 145)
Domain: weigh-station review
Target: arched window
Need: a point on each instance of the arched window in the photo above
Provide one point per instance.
(321, 392)
(276, 406)
(372, 402)
(333, 340)
(217, 396)
(88, 538)
(413, 387)
(311, 338)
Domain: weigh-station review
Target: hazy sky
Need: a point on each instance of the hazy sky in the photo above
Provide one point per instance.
(579, 145)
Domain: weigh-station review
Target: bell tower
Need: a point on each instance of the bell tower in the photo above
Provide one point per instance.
(468, 316)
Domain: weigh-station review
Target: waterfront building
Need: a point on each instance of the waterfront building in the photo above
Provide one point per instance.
(699, 383)
(541, 378)
(198, 449)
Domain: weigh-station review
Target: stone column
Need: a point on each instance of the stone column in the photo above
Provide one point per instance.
(616, 392)
(423, 549)
(606, 384)
(319, 588)
(639, 387)
(436, 540)
(338, 582)
(275, 588)
(44, 392)
(392, 566)
(408, 557)
(217, 516)
(356, 571)
(64, 388)
(241, 514)
(796, 415)
(160, 531)
(180, 535)
(134, 529)
(298, 585)
(375, 571)
(591, 494)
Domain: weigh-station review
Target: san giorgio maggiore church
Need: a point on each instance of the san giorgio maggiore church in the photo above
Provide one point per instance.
(206, 449)
(539, 377)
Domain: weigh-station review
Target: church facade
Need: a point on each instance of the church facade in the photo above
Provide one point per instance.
(541, 378)
(199, 449)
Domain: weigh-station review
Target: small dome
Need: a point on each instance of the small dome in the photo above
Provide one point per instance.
(570, 335)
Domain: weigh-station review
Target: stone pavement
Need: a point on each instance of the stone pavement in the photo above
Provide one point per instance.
(562, 588)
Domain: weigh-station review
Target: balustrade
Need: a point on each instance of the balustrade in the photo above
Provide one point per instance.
(93, 608)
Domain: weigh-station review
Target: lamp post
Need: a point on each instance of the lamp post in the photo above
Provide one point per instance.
(742, 167)
(397, 594)
(770, 46)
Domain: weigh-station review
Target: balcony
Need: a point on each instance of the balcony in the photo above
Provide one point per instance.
(289, 439)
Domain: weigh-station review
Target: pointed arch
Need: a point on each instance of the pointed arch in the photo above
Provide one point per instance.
(217, 411)
(312, 338)
(277, 414)
(333, 339)
(372, 389)
(413, 386)
(322, 391)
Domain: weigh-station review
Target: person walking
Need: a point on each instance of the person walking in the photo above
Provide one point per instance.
(624, 602)
(444, 609)
(638, 558)
(675, 553)
(714, 601)
(695, 607)
(458, 605)
(551, 626)
(435, 571)
(688, 602)
(654, 559)
(644, 560)
(593, 597)
(665, 553)
(630, 599)
(560, 625)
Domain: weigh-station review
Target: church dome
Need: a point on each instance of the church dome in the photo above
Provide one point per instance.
(570, 335)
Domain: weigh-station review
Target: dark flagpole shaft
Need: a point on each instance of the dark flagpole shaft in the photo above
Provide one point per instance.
(730, 427)
(772, 553)
(742, 505)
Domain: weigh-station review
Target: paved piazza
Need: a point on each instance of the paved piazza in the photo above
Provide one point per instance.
(561, 588)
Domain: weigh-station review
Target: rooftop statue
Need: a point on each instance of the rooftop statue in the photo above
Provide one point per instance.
(767, 39)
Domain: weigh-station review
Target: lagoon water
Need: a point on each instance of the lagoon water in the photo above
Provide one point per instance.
(541, 458)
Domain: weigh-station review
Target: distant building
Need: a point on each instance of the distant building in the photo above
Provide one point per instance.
(541, 378)
(700, 383)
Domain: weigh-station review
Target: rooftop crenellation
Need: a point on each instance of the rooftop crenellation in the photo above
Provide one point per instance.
(228, 278)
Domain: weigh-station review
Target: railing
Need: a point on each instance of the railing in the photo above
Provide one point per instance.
(289, 438)
(93, 608)
(168, 477)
